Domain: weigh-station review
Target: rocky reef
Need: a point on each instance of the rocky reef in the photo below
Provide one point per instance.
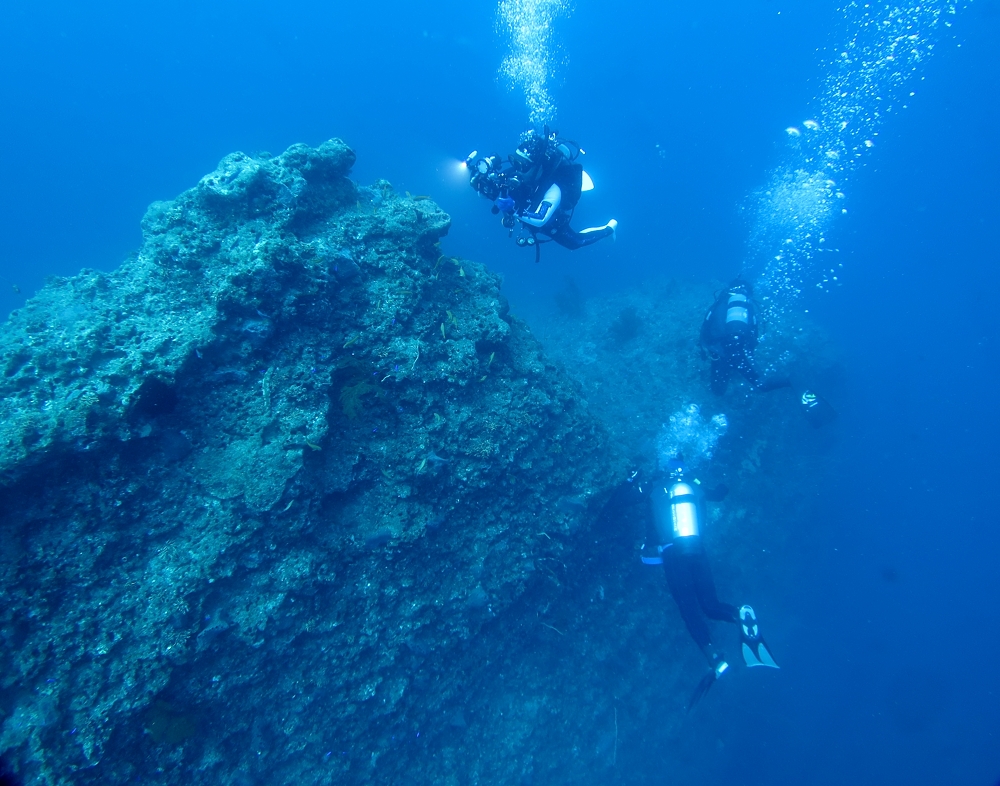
(291, 497)
(770, 458)
(263, 483)
(650, 338)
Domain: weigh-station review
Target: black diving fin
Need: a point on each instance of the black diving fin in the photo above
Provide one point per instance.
(817, 409)
(706, 683)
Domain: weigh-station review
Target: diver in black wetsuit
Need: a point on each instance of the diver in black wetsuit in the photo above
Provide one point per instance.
(678, 515)
(729, 336)
(538, 188)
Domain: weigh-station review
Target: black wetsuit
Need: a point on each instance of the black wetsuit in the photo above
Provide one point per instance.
(685, 563)
(568, 238)
(532, 207)
(690, 580)
(729, 334)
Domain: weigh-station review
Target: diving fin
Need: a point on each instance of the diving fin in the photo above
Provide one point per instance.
(759, 655)
(702, 689)
(707, 681)
(817, 409)
(755, 651)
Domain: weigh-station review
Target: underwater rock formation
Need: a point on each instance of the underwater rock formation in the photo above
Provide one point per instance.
(661, 370)
(265, 484)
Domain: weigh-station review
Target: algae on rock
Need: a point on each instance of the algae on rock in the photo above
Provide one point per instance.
(290, 497)
(245, 489)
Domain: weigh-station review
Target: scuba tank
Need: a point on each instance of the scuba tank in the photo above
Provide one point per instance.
(684, 513)
(676, 512)
(736, 309)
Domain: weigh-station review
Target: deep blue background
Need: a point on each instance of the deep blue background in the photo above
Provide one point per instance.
(886, 611)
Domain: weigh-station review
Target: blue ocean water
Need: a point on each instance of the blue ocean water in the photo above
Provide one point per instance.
(885, 607)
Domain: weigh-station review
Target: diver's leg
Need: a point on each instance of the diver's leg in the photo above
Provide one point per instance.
(567, 238)
(770, 382)
(704, 585)
(766, 383)
(680, 579)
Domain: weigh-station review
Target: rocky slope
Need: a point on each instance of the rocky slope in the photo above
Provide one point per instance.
(290, 497)
(264, 483)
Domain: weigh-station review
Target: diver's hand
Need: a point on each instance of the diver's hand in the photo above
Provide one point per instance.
(506, 204)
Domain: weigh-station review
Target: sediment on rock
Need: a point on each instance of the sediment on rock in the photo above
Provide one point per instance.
(264, 483)
(290, 497)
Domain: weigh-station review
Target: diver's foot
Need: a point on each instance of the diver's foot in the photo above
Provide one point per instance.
(716, 661)
(613, 226)
(755, 650)
(748, 624)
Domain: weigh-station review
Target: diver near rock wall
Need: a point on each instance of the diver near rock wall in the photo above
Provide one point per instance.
(729, 336)
(678, 516)
(538, 188)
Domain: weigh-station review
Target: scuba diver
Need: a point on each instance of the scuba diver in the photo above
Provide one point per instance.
(678, 514)
(729, 336)
(538, 188)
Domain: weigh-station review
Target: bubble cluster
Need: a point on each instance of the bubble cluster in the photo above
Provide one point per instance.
(687, 433)
(868, 79)
(528, 26)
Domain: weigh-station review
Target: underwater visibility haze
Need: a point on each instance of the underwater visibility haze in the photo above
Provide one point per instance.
(317, 466)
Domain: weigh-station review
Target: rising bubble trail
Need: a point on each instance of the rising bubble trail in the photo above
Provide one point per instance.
(690, 435)
(869, 78)
(528, 26)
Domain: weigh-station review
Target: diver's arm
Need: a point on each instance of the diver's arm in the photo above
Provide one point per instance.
(545, 210)
(713, 330)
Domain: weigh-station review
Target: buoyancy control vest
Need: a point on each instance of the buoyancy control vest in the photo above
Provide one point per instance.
(568, 176)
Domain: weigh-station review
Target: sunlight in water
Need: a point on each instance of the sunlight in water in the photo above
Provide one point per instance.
(527, 24)
(868, 79)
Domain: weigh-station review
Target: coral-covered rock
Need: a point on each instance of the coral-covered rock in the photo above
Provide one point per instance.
(263, 483)
(290, 497)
